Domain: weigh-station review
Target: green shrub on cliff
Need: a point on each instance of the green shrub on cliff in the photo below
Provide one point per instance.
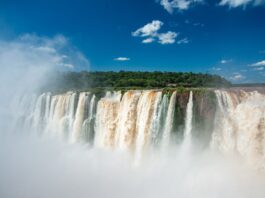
(128, 80)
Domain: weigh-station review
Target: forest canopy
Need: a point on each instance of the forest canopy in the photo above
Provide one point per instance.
(127, 79)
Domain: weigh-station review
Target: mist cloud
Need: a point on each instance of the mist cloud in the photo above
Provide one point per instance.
(27, 62)
(40, 168)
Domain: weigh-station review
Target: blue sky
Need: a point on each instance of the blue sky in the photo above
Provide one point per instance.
(226, 37)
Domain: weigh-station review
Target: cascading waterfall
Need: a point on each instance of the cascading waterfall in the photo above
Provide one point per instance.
(126, 128)
(160, 120)
(187, 142)
(137, 120)
(240, 125)
(106, 120)
(88, 124)
(146, 109)
(37, 114)
(80, 116)
(169, 120)
(224, 132)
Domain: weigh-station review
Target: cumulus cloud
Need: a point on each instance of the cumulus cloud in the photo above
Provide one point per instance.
(243, 3)
(122, 59)
(258, 64)
(151, 33)
(237, 77)
(171, 5)
(167, 38)
(149, 29)
(148, 40)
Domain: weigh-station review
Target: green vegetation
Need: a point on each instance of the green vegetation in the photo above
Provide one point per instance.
(124, 80)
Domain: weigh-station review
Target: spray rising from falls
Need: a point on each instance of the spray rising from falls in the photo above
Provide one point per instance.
(138, 121)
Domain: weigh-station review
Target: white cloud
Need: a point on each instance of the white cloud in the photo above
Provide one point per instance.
(258, 68)
(171, 5)
(167, 38)
(183, 41)
(148, 40)
(31, 50)
(150, 31)
(237, 77)
(122, 59)
(258, 64)
(224, 61)
(243, 3)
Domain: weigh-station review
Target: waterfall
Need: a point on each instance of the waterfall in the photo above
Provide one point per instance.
(80, 116)
(106, 120)
(139, 120)
(169, 120)
(47, 108)
(188, 124)
(88, 125)
(146, 107)
(126, 127)
(38, 114)
(239, 125)
(224, 132)
(159, 119)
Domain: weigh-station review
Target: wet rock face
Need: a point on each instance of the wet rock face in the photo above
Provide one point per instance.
(204, 109)
(180, 114)
(204, 113)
